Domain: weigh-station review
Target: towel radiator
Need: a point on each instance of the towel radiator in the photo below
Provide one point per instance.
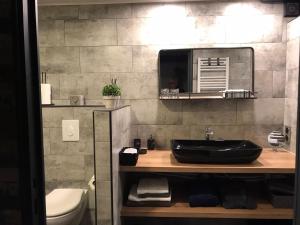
(213, 74)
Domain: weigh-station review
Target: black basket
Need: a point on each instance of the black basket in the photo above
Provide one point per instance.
(128, 159)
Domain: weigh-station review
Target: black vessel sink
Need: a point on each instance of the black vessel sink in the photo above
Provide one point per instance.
(225, 151)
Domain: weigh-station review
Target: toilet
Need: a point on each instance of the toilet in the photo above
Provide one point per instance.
(66, 206)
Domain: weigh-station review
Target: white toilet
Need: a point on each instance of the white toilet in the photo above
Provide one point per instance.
(66, 206)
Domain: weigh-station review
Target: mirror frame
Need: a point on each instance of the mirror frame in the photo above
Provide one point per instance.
(190, 94)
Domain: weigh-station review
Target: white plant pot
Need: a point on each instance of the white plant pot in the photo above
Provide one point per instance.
(111, 102)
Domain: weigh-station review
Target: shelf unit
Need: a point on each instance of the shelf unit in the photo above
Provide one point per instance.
(182, 210)
(163, 161)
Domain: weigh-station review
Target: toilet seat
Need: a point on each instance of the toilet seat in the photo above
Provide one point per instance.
(63, 201)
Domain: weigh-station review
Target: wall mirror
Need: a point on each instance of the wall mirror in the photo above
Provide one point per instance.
(205, 73)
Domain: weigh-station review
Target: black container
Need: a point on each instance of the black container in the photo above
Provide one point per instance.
(127, 159)
(151, 143)
(137, 143)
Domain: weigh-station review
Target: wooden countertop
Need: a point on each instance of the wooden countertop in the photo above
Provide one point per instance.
(164, 161)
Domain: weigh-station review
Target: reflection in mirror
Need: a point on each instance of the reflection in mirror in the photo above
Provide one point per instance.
(174, 72)
(206, 73)
(222, 69)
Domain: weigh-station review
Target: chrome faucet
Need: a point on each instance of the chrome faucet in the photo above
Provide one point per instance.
(208, 133)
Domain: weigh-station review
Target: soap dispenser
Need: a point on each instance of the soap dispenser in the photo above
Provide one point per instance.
(151, 143)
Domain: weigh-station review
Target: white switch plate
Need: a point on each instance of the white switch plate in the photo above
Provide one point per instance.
(70, 130)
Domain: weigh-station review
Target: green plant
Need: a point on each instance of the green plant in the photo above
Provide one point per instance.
(111, 89)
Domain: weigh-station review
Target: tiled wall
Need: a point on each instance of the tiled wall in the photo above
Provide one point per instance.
(292, 77)
(112, 132)
(68, 164)
(82, 47)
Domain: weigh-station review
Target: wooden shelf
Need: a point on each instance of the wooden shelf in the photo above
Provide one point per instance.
(182, 210)
(164, 161)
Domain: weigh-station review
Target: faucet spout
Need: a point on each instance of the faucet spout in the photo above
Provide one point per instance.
(208, 133)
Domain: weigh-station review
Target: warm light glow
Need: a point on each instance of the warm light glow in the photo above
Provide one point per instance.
(241, 9)
(241, 23)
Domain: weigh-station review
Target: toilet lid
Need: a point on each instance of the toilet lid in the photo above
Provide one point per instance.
(62, 201)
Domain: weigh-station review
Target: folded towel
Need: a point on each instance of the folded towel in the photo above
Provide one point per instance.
(133, 197)
(153, 187)
(203, 194)
(236, 196)
(130, 151)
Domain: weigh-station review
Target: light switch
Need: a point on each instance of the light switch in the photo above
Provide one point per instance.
(70, 130)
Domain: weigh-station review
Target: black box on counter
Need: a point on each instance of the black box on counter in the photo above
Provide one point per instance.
(128, 156)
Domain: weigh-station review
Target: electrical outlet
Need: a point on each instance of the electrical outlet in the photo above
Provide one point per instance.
(287, 134)
(70, 130)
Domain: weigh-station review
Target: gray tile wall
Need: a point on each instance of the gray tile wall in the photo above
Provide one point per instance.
(292, 78)
(112, 133)
(82, 47)
(69, 164)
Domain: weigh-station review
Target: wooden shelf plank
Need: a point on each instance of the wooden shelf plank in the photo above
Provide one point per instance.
(164, 161)
(182, 210)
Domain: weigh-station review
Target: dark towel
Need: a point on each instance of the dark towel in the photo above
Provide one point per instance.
(236, 196)
(203, 195)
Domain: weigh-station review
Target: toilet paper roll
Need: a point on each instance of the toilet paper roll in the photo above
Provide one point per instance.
(46, 94)
(91, 192)
(92, 183)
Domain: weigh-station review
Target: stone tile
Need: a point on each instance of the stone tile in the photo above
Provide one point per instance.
(51, 33)
(46, 140)
(138, 86)
(264, 56)
(158, 132)
(293, 29)
(251, 29)
(52, 117)
(57, 12)
(249, 8)
(293, 145)
(293, 54)
(64, 168)
(133, 32)
(100, 32)
(155, 112)
(102, 160)
(159, 10)
(263, 79)
(265, 111)
(82, 147)
(105, 187)
(290, 112)
(60, 59)
(278, 84)
(292, 79)
(85, 116)
(209, 112)
(205, 8)
(145, 58)
(208, 29)
(106, 59)
(73, 84)
(117, 11)
(102, 126)
(95, 83)
(226, 132)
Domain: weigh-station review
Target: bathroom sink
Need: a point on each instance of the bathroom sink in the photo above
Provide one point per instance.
(225, 151)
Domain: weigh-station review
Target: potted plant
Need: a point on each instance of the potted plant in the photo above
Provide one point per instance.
(111, 94)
